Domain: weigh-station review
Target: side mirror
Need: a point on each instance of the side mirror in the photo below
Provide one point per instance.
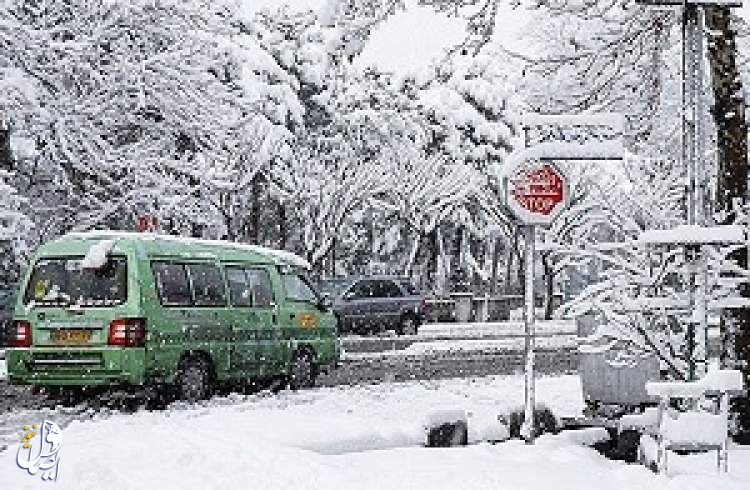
(324, 302)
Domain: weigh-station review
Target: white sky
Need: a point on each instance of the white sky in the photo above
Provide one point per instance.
(410, 39)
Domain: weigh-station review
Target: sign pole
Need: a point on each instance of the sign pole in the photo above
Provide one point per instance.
(527, 430)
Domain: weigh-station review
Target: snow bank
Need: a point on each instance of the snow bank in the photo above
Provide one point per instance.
(3, 369)
(587, 437)
(649, 449)
(694, 427)
(486, 329)
(464, 345)
(486, 428)
(444, 416)
(418, 349)
(648, 418)
(96, 257)
(287, 441)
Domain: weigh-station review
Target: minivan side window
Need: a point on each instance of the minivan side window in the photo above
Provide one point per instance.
(207, 285)
(239, 290)
(260, 285)
(297, 289)
(172, 284)
(249, 287)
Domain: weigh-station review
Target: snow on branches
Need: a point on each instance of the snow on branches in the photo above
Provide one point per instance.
(128, 97)
(652, 290)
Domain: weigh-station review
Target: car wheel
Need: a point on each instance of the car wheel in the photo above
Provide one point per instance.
(407, 326)
(194, 380)
(302, 371)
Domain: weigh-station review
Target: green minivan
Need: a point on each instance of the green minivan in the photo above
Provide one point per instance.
(120, 309)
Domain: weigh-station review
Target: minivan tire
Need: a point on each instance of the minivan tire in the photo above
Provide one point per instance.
(194, 380)
(302, 371)
(407, 325)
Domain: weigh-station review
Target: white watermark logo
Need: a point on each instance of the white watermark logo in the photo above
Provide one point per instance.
(45, 455)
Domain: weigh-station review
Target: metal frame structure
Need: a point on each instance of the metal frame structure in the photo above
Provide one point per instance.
(693, 150)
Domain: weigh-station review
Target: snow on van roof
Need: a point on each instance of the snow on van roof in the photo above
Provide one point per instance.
(280, 257)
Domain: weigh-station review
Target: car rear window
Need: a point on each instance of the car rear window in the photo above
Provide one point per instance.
(387, 289)
(64, 282)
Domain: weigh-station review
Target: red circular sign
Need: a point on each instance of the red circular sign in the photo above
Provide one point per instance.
(537, 192)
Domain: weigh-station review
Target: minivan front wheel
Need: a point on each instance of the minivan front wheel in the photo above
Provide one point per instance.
(194, 380)
(302, 371)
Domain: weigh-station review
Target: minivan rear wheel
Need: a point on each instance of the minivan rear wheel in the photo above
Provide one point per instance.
(194, 380)
(302, 371)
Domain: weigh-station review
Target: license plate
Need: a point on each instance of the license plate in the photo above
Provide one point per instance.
(71, 336)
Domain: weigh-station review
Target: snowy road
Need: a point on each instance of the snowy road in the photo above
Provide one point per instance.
(361, 437)
(439, 351)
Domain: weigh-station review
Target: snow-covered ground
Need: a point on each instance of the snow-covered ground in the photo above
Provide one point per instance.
(462, 337)
(464, 345)
(477, 329)
(347, 438)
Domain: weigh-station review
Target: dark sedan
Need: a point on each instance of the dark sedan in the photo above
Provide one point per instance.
(374, 304)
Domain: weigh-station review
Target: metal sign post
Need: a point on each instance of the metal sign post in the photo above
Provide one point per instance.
(536, 193)
(527, 429)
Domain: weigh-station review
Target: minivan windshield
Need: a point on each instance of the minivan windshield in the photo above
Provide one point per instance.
(298, 288)
(63, 282)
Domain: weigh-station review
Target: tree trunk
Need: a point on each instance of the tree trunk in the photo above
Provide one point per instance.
(255, 210)
(512, 253)
(282, 225)
(495, 258)
(549, 282)
(6, 158)
(409, 269)
(432, 267)
(442, 288)
(333, 257)
(729, 116)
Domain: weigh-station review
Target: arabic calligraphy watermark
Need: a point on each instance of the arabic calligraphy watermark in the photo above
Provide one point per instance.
(33, 457)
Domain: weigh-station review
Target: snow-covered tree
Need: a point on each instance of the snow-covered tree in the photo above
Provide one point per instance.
(132, 101)
(15, 229)
(646, 299)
